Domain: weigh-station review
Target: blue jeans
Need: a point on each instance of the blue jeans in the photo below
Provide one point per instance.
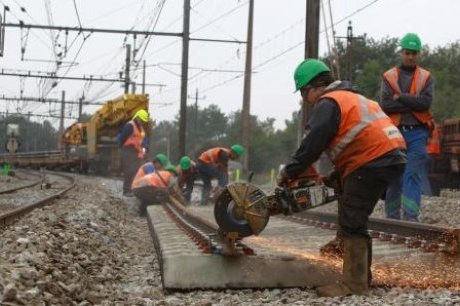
(207, 172)
(405, 193)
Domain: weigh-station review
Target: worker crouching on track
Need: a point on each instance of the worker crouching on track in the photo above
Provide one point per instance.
(133, 144)
(213, 163)
(187, 173)
(159, 162)
(153, 188)
(367, 150)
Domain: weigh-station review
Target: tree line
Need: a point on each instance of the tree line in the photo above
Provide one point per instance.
(210, 126)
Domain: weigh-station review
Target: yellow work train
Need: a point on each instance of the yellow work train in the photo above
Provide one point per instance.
(88, 146)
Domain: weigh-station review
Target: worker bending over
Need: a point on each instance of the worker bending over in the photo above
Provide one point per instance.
(153, 188)
(159, 162)
(367, 151)
(213, 163)
(187, 173)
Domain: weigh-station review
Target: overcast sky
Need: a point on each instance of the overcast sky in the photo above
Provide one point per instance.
(279, 28)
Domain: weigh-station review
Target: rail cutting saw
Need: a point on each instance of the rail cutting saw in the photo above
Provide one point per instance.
(243, 209)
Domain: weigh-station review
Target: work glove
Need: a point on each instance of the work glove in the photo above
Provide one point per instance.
(282, 178)
(333, 180)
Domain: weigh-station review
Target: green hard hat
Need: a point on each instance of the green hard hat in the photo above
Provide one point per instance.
(162, 159)
(185, 163)
(142, 115)
(171, 168)
(411, 41)
(307, 71)
(238, 149)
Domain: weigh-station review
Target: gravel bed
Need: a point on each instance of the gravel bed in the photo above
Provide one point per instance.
(7, 182)
(26, 196)
(89, 249)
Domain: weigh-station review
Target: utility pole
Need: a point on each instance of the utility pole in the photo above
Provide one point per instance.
(61, 121)
(143, 77)
(349, 56)
(80, 108)
(27, 132)
(127, 63)
(246, 110)
(195, 117)
(350, 52)
(184, 78)
(311, 49)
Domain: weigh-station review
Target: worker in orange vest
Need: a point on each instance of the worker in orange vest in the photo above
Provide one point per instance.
(365, 148)
(407, 95)
(133, 146)
(213, 163)
(187, 173)
(159, 162)
(153, 188)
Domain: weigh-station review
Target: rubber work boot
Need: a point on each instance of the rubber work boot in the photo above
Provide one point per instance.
(333, 248)
(355, 270)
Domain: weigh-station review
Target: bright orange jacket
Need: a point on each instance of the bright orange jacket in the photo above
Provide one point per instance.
(141, 171)
(365, 132)
(211, 156)
(153, 180)
(433, 146)
(135, 139)
(419, 80)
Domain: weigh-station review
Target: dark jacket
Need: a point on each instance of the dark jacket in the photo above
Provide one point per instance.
(406, 102)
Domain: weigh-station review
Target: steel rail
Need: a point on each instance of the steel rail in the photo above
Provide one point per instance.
(429, 237)
(11, 216)
(13, 189)
(203, 232)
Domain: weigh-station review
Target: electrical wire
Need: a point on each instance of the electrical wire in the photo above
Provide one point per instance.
(76, 12)
(264, 63)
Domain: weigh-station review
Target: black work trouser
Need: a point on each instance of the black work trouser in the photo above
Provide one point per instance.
(149, 195)
(130, 163)
(361, 190)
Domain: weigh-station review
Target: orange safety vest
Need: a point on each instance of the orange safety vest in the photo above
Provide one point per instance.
(135, 139)
(365, 132)
(153, 180)
(140, 172)
(211, 156)
(433, 145)
(418, 83)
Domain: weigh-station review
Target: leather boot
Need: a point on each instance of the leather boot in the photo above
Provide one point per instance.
(334, 247)
(355, 270)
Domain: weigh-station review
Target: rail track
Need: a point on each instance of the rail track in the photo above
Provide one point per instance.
(24, 186)
(9, 217)
(205, 234)
(429, 238)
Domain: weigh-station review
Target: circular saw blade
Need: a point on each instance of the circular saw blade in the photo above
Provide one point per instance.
(242, 208)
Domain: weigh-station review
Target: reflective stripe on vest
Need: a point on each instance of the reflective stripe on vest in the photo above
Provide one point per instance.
(135, 139)
(366, 119)
(153, 180)
(211, 156)
(418, 83)
(364, 134)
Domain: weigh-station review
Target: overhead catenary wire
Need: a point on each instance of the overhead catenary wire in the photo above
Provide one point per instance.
(287, 50)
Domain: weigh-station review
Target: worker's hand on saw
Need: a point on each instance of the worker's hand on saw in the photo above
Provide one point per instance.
(282, 178)
(333, 180)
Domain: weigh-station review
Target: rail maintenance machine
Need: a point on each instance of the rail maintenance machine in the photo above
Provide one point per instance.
(243, 209)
